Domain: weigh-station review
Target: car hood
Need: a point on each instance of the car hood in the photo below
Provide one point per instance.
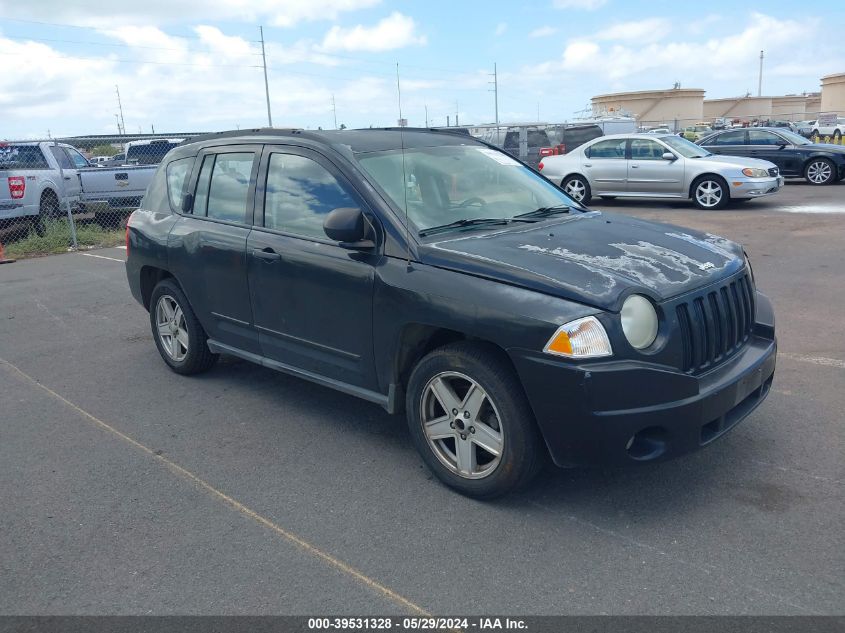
(593, 258)
(735, 161)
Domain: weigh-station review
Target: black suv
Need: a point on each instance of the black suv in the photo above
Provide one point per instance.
(434, 274)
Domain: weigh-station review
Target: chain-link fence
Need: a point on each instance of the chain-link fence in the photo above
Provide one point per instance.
(59, 195)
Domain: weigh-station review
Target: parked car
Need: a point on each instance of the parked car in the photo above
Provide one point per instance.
(566, 138)
(520, 141)
(97, 161)
(659, 130)
(805, 128)
(115, 161)
(46, 178)
(695, 132)
(508, 322)
(149, 151)
(645, 166)
(833, 129)
(795, 156)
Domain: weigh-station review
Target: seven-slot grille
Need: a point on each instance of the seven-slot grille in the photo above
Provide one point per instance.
(716, 324)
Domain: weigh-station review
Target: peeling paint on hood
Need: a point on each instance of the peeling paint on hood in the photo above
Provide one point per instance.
(592, 258)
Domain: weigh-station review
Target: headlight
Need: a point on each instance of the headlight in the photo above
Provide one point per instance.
(753, 172)
(639, 321)
(582, 338)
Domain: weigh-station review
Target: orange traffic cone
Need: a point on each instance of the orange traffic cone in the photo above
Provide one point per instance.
(3, 259)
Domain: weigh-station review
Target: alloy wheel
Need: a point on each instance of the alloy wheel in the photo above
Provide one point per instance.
(819, 172)
(575, 189)
(708, 193)
(462, 425)
(172, 331)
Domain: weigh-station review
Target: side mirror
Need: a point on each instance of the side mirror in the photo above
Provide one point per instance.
(669, 156)
(348, 226)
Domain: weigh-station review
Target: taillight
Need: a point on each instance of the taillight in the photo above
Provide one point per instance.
(561, 149)
(546, 151)
(17, 187)
(540, 166)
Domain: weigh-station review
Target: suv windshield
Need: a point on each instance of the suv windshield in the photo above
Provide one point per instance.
(684, 147)
(453, 183)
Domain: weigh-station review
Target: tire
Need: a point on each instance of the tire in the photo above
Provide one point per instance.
(180, 340)
(815, 134)
(577, 188)
(836, 136)
(48, 209)
(820, 171)
(497, 416)
(710, 193)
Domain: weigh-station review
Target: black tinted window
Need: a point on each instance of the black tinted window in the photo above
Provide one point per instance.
(177, 172)
(227, 193)
(204, 180)
(61, 156)
(300, 192)
(538, 138)
(613, 148)
(761, 137)
(22, 157)
(736, 137)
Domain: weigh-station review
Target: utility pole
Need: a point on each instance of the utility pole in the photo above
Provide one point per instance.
(334, 111)
(456, 114)
(425, 105)
(495, 83)
(760, 78)
(120, 107)
(266, 83)
(117, 120)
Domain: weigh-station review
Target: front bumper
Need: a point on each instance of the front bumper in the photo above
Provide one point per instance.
(621, 412)
(755, 187)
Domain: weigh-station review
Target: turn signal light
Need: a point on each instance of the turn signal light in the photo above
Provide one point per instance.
(582, 338)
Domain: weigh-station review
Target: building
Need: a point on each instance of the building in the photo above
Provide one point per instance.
(833, 93)
(654, 106)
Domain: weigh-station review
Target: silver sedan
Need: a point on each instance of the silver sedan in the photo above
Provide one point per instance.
(666, 166)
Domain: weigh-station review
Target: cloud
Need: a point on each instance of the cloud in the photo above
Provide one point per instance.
(501, 27)
(156, 12)
(394, 31)
(543, 31)
(584, 5)
(648, 30)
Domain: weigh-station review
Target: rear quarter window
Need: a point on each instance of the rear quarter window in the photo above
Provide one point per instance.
(177, 173)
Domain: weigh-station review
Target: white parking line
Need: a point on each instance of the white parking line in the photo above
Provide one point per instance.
(816, 360)
(114, 259)
(123, 248)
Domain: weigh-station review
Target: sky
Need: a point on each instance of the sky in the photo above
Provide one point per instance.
(195, 65)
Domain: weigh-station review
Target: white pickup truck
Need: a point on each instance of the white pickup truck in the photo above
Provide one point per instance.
(42, 180)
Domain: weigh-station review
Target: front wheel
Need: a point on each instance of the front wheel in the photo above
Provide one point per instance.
(178, 335)
(577, 188)
(710, 193)
(820, 171)
(471, 422)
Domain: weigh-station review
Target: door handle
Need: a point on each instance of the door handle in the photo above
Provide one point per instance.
(67, 177)
(634, 166)
(588, 164)
(267, 254)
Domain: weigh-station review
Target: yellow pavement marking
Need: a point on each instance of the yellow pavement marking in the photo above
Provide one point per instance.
(327, 558)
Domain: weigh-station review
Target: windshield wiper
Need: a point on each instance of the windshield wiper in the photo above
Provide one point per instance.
(469, 222)
(543, 212)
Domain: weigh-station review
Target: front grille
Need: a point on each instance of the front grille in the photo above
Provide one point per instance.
(716, 324)
(773, 171)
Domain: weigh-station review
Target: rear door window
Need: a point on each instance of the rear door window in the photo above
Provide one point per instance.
(612, 148)
(737, 137)
(229, 187)
(762, 137)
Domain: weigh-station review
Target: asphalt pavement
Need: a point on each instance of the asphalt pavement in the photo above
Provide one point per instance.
(127, 489)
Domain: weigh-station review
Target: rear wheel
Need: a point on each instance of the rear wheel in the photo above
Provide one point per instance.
(577, 188)
(178, 335)
(820, 171)
(710, 192)
(48, 209)
(471, 422)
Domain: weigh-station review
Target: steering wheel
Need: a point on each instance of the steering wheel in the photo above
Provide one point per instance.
(470, 201)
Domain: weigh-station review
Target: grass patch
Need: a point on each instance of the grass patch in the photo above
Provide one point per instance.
(57, 239)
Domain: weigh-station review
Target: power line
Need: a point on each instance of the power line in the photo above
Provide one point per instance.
(24, 38)
(134, 61)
